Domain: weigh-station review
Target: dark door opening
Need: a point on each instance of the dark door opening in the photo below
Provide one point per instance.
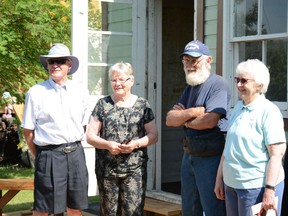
(178, 30)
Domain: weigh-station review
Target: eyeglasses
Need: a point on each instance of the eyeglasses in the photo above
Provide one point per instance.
(241, 80)
(58, 61)
(193, 62)
(122, 81)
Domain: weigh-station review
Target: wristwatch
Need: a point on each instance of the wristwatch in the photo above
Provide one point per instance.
(270, 187)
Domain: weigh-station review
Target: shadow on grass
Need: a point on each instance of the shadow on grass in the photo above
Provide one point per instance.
(18, 207)
(22, 201)
(16, 172)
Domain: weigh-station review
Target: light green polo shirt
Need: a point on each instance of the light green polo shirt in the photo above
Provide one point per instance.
(251, 129)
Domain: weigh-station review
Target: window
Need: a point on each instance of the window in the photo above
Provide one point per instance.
(258, 29)
(109, 40)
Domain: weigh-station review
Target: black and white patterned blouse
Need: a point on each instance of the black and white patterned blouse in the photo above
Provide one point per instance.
(121, 124)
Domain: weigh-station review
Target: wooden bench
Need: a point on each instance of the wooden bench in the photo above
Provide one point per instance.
(13, 186)
(159, 207)
(19, 111)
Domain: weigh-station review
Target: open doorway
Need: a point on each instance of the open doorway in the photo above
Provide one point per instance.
(178, 30)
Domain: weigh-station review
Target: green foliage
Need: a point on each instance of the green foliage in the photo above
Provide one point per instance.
(94, 16)
(28, 29)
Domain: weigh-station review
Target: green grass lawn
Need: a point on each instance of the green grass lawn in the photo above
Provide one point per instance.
(24, 199)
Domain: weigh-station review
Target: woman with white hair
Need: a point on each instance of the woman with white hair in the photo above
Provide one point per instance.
(121, 127)
(251, 165)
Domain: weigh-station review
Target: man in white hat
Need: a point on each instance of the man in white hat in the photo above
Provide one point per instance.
(54, 120)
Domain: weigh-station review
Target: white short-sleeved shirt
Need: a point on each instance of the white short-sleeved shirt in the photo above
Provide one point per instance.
(56, 113)
(251, 129)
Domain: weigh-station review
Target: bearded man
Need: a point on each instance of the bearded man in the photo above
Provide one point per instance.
(202, 110)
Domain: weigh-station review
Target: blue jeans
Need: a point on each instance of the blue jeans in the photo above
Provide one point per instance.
(198, 176)
(239, 201)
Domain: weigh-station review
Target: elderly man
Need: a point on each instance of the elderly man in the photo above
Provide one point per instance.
(202, 110)
(54, 119)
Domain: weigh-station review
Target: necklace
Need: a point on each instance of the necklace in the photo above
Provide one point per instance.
(128, 102)
(124, 137)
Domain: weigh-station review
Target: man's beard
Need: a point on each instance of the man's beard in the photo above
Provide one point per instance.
(197, 77)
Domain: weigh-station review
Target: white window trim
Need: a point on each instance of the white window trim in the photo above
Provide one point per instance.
(139, 62)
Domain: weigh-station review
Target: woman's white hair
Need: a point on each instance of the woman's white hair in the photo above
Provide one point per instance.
(121, 67)
(258, 71)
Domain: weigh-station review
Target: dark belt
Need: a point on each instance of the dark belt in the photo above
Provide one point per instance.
(204, 145)
(65, 147)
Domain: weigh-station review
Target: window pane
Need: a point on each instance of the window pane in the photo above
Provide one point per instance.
(274, 16)
(252, 50)
(105, 16)
(246, 17)
(109, 41)
(98, 81)
(108, 48)
(277, 63)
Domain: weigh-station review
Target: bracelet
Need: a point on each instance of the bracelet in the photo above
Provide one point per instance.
(270, 187)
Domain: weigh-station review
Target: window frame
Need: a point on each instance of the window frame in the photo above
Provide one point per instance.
(139, 62)
(231, 51)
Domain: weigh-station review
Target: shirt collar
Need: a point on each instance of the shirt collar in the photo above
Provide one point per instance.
(257, 102)
(56, 86)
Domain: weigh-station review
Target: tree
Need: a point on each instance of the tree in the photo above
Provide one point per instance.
(28, 28)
